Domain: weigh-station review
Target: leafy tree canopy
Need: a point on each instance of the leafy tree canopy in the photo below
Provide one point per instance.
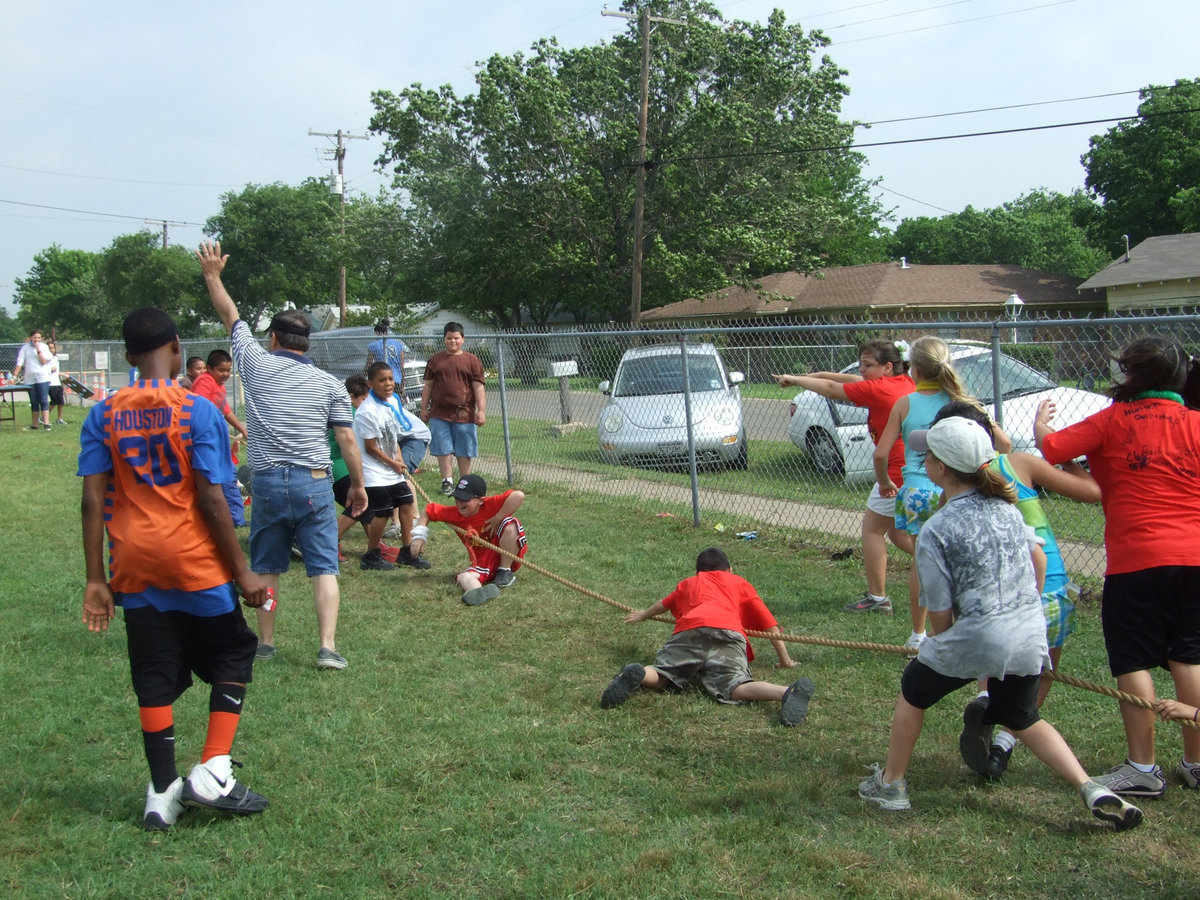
(522, 195)
(1147, 171)
(284, 247)
(136, 271)
(61, 292)
(1040, 230)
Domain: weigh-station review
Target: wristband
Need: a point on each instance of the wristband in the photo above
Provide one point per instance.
(420, 533)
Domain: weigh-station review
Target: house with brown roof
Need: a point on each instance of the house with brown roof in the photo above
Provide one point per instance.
(887, 292)
(1161, 273)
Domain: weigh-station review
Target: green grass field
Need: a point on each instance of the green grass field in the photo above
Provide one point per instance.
(464, 754)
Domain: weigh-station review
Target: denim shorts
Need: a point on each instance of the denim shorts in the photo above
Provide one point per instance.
(39, 396)
(290, 504)
(453, 438)
(412, 452)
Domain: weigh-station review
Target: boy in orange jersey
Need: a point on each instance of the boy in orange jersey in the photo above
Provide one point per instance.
(709, 648)
(153, 458)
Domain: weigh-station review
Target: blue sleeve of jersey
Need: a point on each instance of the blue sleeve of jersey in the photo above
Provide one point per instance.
(94, 456)
(210, 443)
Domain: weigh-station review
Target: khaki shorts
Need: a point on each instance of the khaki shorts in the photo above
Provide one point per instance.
(712, 658)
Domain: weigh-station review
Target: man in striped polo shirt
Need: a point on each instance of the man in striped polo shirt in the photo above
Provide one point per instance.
(289, 405)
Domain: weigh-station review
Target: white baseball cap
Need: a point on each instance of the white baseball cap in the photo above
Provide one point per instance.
(961, 444)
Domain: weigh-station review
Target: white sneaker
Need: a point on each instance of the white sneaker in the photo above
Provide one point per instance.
(211, 784)
(163, 810)
(393, 532)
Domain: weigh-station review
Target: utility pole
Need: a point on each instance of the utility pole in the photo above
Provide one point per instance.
(340, 155)
(639, 200)
(165, 225)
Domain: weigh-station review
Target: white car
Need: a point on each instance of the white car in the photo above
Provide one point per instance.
(834, 433)
(645, 422)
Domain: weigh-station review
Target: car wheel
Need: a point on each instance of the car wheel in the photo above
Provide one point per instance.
(824, 452)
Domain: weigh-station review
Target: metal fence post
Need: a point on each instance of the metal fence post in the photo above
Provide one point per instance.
(691, 437)
(997, 396)
(508, 463)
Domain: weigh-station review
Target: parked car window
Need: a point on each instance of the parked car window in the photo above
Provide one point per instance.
(1016, 378)
(664, 375)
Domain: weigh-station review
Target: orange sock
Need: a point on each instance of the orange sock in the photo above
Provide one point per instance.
(222, 727)
(156, 718)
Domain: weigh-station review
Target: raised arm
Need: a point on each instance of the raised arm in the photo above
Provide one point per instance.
(1072, 480)
(212, 264)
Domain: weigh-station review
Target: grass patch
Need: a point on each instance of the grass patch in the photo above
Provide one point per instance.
(464, 754)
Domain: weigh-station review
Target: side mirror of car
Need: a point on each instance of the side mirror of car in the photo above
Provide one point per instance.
(736, 378)
(604, 386)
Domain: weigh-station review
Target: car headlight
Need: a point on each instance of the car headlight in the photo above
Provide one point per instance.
(726, 415)
(613, 422)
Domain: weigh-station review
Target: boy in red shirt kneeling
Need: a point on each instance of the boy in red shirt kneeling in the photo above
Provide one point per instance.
(712, 610)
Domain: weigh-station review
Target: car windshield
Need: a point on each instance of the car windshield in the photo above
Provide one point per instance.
(664, 375)
(1016, 378)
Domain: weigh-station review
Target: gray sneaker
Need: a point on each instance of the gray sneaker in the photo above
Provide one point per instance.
(975, 741)
(504, 578)
(264, 651)
(793, 708)
(1189, 774)
(1108, 807)
(329, 659)
(481, 595)
(1125, 779)
(867, 603)
(889, 796)
(447, 486)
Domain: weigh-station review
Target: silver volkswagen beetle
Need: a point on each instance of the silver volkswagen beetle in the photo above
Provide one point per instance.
(645, 422)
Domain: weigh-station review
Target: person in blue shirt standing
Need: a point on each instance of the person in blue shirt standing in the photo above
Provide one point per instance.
(389, 350)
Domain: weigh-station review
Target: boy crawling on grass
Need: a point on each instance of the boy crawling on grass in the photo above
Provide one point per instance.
(712, 610)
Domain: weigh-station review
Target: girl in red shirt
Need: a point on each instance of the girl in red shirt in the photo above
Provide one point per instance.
(883, 378)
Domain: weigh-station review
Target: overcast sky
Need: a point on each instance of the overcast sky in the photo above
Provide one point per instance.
(116, 113)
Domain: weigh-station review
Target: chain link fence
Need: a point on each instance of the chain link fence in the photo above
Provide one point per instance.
(688, 421)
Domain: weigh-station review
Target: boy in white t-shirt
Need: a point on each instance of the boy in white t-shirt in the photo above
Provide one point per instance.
(378, 425)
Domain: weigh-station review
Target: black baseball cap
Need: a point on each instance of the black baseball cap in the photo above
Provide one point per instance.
(469, 487)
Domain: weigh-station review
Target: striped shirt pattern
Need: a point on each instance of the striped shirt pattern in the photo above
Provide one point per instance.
(289, 405)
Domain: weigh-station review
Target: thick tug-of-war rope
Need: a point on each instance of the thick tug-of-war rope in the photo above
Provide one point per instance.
(792, 638)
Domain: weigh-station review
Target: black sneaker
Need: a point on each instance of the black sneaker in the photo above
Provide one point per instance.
(447, 486)
(405, 558)
(997, 762)
(793, 709)
(206, 787)
(976, 738)
(504, 578)
(373, 559)
(627, 681)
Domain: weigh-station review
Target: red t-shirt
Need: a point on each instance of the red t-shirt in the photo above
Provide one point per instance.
(879, 395)
(206, 386)
(1146, 457)
(718, 600)
(450, 514)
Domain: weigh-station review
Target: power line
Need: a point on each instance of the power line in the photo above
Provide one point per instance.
(1011, 12)
(966, 112)
(88, 212)
(108, 178)
(784, 151)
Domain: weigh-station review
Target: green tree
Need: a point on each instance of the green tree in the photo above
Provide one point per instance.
(135, 271)
(522, 195)
(1041, 230)
(284, 247)
(1146, 171)
(11, 331)
(61, 292)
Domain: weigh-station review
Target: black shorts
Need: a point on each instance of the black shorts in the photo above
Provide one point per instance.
(56, 395)
(382, 500)
(341, 493)
(1151, 617)
(166, 648)
(1012, 700)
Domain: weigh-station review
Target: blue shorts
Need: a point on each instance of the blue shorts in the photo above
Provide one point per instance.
(412, 452)
(39, 396)
(453, 439)
(290, 504)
